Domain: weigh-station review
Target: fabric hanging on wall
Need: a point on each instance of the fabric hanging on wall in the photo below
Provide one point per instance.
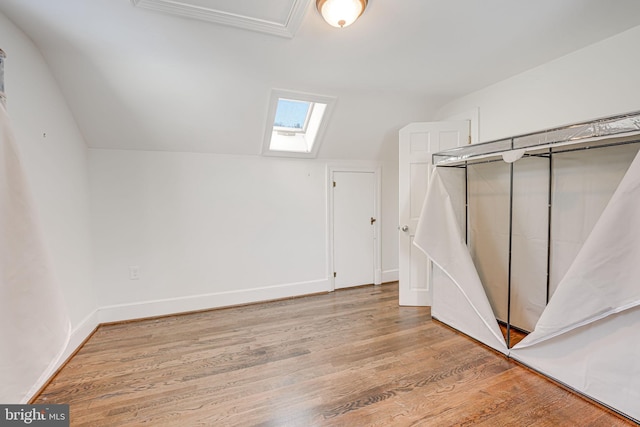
(604, 279)
(463, 304)
(34, 324)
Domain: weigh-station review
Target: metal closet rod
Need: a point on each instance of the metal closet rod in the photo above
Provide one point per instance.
(618, 126)
(560, 150)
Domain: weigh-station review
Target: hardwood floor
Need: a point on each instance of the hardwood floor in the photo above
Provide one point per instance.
(348, 358)
(515, 336)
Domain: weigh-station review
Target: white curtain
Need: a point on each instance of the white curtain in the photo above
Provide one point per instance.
(34, 326)
(585, 336)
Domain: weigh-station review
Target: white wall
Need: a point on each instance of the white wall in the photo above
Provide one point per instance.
(54, 156)
(208, 230)
(597, 81)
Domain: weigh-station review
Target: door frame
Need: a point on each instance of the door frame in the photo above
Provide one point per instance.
(376, 169)
(473, 116)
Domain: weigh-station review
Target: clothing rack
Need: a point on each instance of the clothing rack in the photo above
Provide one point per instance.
(600, 133)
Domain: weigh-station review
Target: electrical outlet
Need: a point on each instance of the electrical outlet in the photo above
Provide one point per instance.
(134, 272)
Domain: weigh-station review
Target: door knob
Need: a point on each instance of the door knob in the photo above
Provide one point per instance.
(405, 228)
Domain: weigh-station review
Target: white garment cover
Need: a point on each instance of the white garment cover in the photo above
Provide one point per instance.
(461, 303)
(34, 326)
(585, 336)
(604, 278)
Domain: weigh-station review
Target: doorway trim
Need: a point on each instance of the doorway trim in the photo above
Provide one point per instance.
(473, 116)
(376, 169)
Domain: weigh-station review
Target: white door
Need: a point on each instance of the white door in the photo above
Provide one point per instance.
(354, 226)
(418, 141)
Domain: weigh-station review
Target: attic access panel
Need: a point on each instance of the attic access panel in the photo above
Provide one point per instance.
(277, 17)
(276, 11)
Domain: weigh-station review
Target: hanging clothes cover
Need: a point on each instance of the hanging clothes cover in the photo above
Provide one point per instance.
(462, 302)
(584, 337)
(604, 279)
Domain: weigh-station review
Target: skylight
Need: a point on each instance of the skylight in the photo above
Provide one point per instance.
(292, 115)
(296, 123)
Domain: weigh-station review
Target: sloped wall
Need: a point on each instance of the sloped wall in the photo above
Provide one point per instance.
(54, 157)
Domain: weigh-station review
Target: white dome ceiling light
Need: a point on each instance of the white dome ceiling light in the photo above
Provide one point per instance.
(341, 13)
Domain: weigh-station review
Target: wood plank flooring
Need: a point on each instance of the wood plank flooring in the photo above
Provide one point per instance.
(348, 358)
(515, 336)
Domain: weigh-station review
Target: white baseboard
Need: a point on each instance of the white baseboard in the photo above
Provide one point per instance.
(390, 276)
(139, 310)
(81, 333)
(76, 338)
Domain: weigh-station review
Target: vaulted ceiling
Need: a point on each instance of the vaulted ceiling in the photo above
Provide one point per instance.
(138, 78)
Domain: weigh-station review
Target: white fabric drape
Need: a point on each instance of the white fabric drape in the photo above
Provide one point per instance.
(604, 278)
(461, 303)
(585, 336)
(34, 325)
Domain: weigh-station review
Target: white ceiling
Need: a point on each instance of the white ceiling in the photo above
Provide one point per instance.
(142, 79)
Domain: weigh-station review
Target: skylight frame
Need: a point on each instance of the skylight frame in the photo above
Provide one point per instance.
(285, 142)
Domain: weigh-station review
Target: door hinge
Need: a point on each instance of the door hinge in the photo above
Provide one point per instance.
(335, 274)
(334, 184)
(469, 139)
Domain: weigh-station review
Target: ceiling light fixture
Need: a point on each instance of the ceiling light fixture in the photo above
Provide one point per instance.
(341, 13)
